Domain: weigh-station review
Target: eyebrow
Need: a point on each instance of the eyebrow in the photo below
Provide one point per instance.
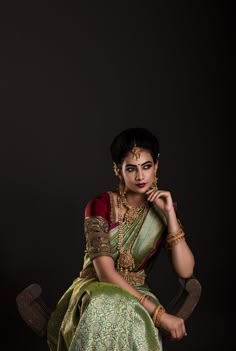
(130, 165)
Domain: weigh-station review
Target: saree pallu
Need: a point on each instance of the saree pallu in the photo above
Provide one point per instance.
(98, 316)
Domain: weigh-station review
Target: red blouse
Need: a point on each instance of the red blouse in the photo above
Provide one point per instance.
(99, 206)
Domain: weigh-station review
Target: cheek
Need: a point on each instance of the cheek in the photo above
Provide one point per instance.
(151, 174)
(129, 176)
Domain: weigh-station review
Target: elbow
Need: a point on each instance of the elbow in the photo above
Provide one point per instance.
(187, 272)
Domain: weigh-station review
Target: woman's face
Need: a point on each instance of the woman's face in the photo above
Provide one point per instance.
(139, 174)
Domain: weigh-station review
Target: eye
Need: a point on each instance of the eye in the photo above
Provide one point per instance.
(130, 169)
(147, 166)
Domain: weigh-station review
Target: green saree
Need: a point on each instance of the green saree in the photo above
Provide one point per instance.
(94, 315)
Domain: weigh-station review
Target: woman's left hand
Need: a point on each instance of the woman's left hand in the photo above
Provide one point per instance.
(161, 199)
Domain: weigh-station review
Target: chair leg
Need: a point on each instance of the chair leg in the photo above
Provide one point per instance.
(33, 309)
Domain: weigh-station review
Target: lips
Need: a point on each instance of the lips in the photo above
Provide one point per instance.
(141, 185)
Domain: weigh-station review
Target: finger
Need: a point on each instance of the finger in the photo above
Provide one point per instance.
(181, 332)
(174, 335)
(152, 196)
(184, 330)
(155, 196)
(164, 193)
(178, 333)
(150, 191)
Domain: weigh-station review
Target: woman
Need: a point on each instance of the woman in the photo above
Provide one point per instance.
(110, 306)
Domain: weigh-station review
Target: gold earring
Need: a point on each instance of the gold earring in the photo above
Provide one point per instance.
(154, 184)
(121, 189)
(115, 169)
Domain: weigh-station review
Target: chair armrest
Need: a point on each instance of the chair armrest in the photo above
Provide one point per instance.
(183, 303)
(187, 298)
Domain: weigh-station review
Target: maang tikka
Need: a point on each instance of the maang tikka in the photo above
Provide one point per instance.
(136, 152)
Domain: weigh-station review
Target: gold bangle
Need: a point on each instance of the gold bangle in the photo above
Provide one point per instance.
(159, 311)
(174, 242)
(177, 237)
(179, 231)
(155, 313)
(143, 298)
(173, 238)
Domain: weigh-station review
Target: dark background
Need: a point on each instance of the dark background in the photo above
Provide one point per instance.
(72, 77)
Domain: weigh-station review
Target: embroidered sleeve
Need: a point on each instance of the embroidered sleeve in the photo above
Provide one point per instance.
(97, 238)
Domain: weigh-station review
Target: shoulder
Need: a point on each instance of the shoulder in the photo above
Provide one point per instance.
(98, 206)
(102, 198)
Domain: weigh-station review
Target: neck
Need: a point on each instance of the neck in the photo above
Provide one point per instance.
(135, 199)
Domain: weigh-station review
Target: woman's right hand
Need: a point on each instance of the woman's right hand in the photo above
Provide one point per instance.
(175, 326)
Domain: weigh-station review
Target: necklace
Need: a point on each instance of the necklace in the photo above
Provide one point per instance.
(132, 212)
(125, 262)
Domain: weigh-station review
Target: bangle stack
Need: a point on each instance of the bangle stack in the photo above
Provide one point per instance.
(173, 239)
(143, 298)
(157, 314)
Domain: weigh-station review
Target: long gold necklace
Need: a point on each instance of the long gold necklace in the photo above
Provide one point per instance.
(125, 262)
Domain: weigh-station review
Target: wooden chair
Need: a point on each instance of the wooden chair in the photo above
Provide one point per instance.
(35, 312)
(184, 302)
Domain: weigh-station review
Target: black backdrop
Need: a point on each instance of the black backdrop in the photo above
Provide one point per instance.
(72, 77)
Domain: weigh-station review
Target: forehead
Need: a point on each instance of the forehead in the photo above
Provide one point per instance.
(145, 156)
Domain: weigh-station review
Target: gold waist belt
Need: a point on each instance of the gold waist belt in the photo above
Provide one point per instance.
(133, 278)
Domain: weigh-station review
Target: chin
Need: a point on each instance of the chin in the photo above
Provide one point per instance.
(141, 190)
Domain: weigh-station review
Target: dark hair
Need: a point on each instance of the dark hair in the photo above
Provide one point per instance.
(125, 141)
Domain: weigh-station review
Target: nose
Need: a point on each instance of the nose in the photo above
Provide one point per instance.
(139, 174)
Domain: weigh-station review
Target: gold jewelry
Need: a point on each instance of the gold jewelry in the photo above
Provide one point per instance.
(132, 212)
(125, 262)
(136, 152)
(142, 298)
(158, 312)
(173, 239)
(173, 235)
(154, 184)
(115, 169)
(121, 188)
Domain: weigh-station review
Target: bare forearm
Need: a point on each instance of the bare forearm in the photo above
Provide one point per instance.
(181, 256)
(182, 259)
